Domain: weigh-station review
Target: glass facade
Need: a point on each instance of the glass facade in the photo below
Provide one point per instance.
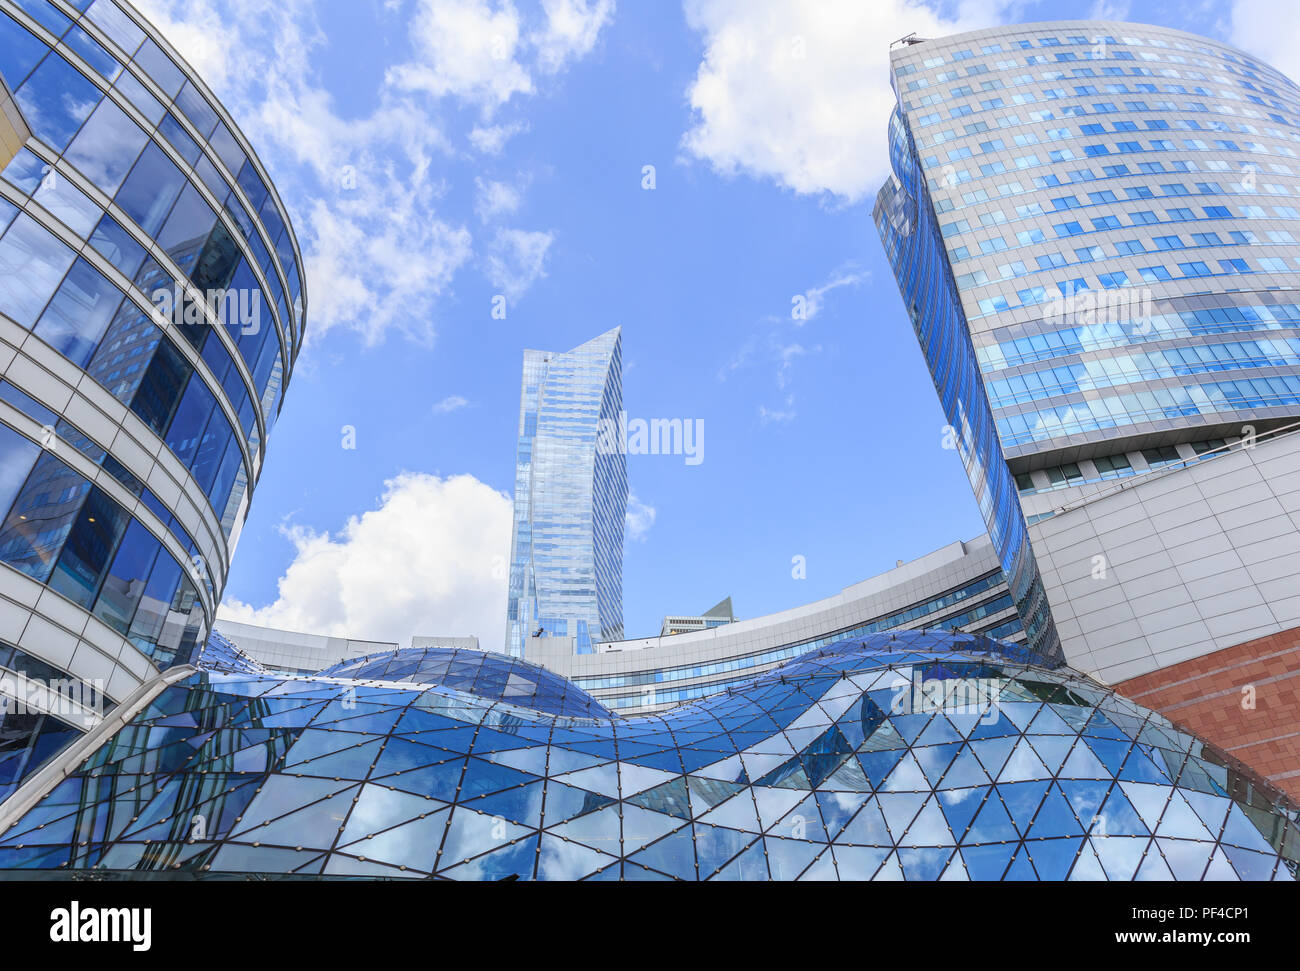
(952, 610)
(566, 556)
(1118, 204)
(921, 755)
(905, 218)
(152, 306)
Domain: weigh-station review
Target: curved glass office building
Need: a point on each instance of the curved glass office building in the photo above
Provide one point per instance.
(921, 755)
(1119, 206)
(151, 307)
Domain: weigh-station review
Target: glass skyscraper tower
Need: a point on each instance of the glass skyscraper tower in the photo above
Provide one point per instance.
(1118, 207)
(566, 557)
(1093, 228)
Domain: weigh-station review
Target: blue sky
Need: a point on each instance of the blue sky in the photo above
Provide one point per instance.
(437, 153)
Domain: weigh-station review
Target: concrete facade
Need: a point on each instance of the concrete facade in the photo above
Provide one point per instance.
(1170, 566)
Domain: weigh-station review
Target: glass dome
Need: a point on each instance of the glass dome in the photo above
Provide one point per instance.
(917, 755)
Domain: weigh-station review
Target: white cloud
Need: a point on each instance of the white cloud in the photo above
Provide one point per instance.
(770, 417)
(429, 560)
(449, 404)
(490, 140)
(361, 192)
(572, 28)
(1109, 10)
(786, 355)
(364, 193)
(372, 274)
(466, 49)
(495, 199)
(815, 297)
(482, 52)
(799, 92)
(517, 259)
(638, 518)
(1268, 30)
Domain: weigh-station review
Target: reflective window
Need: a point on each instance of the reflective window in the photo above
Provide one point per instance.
(93, 53)
(121, 30)
(67, 203)
(159, 68)
(139, 95)
(32, 262)
(150, 189)
(79, 313)
(227, 149)
(45, 14)
(180, 140)
(160, 387)
(125, 584)
(196, 108)
(17, 454)
(89, 548)
(186, 229)
(55, 100)
(20, 51)
(106, 147)
(183, 436)
(41, 516)
(117, 246)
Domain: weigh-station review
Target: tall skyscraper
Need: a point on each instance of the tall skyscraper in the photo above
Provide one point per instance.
(566, 555)
(1094, 226)
(151, 309)
(1117, 212)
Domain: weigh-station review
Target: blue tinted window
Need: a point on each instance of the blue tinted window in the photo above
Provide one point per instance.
(227, 148)
(44, 13)
(184, 433)
(159, 67)
(151, 613)
(89, 548)
(32, 262)
(106, 147)
(160, 388)
(212, 448)
(119, 28)
(209, 176)
(125, 583)
(25, 171)
(19, 51)
(67, 203)
(79, 313)
(92, 52)
(150, 189)
(139, 95)
(55, 100)
(187, 228)
(252, 185)
(117, 246)
(41, 516)
(196, 108)
(181, 141)
(16, 457)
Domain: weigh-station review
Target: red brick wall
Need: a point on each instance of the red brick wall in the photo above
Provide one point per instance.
(1205, 696)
